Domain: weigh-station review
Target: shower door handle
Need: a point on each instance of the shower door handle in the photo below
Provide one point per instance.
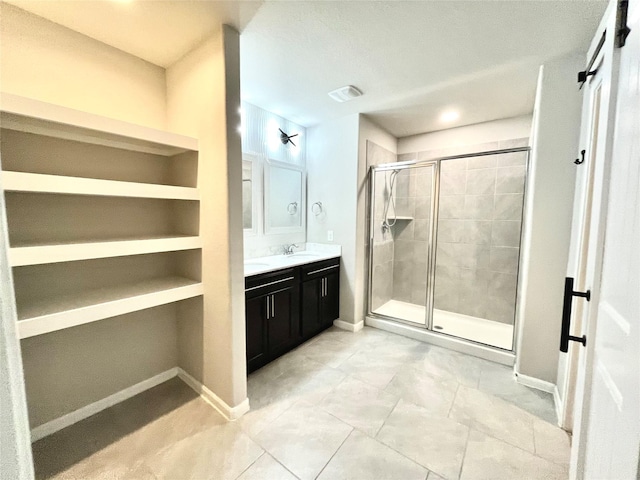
(569, 293)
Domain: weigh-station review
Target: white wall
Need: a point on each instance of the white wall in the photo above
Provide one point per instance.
(43, 60)
(368, 131)
(203, 93)
(547, 226)
(332, 166)
(494, 131)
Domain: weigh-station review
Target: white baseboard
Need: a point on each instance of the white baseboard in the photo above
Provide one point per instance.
(53, 426)
(536, 383)
(351, 327)
(230, 413)
(559, 406)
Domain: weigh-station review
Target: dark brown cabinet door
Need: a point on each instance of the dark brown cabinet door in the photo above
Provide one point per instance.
(256, 332)
(283, 320)
(311, 323)
(330, 307)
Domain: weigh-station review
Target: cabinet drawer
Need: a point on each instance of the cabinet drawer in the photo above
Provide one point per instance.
(318, 269)
(259, 284)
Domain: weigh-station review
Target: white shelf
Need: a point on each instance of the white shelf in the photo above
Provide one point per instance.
(68, 252)
(50, 315)
(33, 116)
(40, 183)
(400, 217)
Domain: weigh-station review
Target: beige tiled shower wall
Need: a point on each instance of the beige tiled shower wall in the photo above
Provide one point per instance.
(479, 223)
(411, 235)
(382, 262)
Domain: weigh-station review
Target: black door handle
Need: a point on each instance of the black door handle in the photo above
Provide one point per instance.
(569, 293)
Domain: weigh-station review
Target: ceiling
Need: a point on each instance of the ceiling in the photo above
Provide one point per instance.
(412, 59)
(159, 31)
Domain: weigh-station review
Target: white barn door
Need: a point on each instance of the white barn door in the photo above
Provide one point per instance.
(607, 440)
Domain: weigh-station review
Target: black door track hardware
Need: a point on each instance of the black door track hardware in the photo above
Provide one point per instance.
(569, 293)
(585, 74)
(578, 161)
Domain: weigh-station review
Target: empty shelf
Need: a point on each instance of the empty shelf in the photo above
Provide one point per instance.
(400, 217)
(49, 315)
(68, 252)
(29, 115)
(40, 183)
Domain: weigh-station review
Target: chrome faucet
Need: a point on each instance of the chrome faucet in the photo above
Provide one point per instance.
(288, 249)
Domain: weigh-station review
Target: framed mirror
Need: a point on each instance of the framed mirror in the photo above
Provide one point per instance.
(250, 194)
(285, 198)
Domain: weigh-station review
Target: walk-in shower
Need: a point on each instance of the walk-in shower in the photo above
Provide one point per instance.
(445, 243)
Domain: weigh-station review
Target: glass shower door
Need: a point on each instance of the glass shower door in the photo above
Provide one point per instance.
(401, 239)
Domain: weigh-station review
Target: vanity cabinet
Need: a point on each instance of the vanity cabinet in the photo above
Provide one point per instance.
(320, 296)
(272, 315)
(287, 307)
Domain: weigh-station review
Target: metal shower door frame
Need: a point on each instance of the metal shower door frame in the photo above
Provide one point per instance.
(430, 247)
(435, 163)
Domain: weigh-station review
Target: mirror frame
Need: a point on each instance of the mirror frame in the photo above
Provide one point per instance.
(256, 193)
(268, 229)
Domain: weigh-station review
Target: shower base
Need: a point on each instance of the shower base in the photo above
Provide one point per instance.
(476, 329)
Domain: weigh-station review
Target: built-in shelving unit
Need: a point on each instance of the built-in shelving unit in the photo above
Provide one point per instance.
(83, 194)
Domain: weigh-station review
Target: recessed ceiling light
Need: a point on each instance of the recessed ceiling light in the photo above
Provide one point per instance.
(344, 94)
(449, 116)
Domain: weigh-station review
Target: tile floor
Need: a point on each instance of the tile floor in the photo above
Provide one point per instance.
(364, 406)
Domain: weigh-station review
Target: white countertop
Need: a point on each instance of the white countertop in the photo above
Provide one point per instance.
(256, 266)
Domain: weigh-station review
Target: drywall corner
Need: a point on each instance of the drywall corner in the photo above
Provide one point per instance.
(203, 99)
(548, 215)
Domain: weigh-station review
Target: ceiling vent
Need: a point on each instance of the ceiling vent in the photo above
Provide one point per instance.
(344, 94)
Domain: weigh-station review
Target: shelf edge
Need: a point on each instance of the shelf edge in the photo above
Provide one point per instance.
(69, 252)
(91, 122)
(59, 184)
(100, 311)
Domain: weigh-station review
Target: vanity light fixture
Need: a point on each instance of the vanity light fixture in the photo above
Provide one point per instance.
(344, 94)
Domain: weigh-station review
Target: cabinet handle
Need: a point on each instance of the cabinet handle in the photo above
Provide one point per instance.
(270, 283)
(273, 308)
(323, 269)
(324, 287)
(268, 296)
